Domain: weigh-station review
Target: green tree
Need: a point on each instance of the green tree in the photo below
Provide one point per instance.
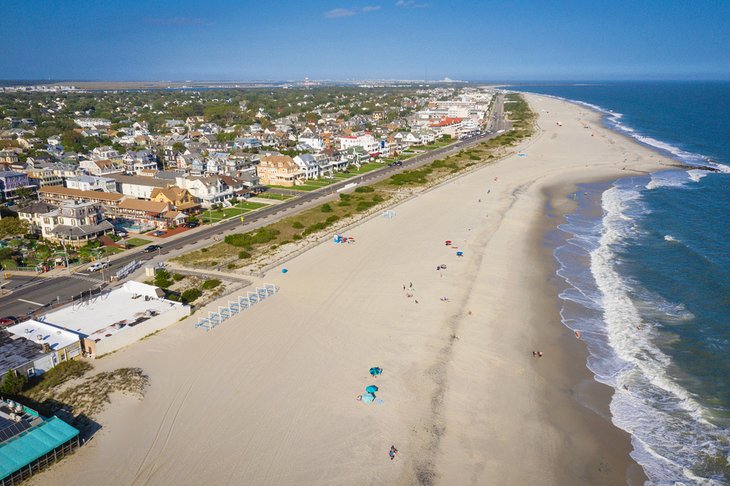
(24, 193)
(12, 383)
(190, 295)
(13, 227)
(163, 279)
(178, 147)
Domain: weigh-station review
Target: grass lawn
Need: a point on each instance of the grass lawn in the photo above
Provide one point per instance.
(271, 195)
(215, 215)
(134, 242)
(314, 184)
(250, 205)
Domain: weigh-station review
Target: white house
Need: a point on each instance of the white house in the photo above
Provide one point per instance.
(308, 165)
(316, 143)
(92, 183)
(104, 152)
(366, 141)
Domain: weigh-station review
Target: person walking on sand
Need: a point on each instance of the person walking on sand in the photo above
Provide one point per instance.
(392, 452)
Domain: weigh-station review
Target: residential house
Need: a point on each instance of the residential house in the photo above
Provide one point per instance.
(278, 170)
(31, 212)
(176, 197)
(73, 223)
(44, 177)
(104, 152)
(366, 141)
(58, 168)
(314, 142)
(247, 143)
(92, 183)
(8, 157)
(135, 162)
(308, 165)
(447, 126)
(212, 189)
(101, 167)
(11, 182)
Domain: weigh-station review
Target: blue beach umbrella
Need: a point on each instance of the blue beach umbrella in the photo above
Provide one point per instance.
(371, 389)
(368, 397)
(284, 270)
(376, 371)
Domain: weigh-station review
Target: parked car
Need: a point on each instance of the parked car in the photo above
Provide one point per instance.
(121, 233)
(157, 233)
(151, 248)
(95, 267)
(8, 321)
(192, 224)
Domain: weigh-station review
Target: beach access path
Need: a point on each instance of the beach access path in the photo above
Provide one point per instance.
(268, 397)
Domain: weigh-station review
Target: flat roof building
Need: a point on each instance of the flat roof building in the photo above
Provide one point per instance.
(113, 319)
(63, 343)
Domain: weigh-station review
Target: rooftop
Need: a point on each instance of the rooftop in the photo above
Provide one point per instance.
(15, 352)
(110, 312)
(139, 180)
(66, 191)
(42, 333)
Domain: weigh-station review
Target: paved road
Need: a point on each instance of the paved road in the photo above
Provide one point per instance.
(32, 294)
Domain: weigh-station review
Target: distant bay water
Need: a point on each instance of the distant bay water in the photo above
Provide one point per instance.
(648, 279)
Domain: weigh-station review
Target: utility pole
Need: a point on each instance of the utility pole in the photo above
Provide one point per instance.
(65, 255)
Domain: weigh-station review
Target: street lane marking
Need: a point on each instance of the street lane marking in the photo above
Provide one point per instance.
(31, 302)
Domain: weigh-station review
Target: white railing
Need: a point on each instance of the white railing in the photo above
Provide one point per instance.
(235, 307)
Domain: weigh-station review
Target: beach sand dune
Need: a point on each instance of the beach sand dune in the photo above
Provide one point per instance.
(269, 396)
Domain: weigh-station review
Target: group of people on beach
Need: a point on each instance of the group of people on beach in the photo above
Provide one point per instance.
(409, 291)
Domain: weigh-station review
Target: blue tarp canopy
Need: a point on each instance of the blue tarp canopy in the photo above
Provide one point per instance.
(33, 443)
(371, 389)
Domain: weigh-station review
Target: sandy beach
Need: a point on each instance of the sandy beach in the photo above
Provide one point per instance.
(269, 396)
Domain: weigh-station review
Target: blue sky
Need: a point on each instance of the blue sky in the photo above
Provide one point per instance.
(349, 39)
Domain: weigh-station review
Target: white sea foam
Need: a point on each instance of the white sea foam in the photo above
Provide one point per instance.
(620, 315)
(696, 174)
(669, 431)
(658, 181)
(668, 427)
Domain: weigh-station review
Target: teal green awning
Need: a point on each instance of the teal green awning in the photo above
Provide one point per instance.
(33, 443)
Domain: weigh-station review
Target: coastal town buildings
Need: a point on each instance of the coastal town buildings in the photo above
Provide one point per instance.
(148, 168)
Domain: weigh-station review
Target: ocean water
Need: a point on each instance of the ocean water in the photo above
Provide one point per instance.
(646, 261)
